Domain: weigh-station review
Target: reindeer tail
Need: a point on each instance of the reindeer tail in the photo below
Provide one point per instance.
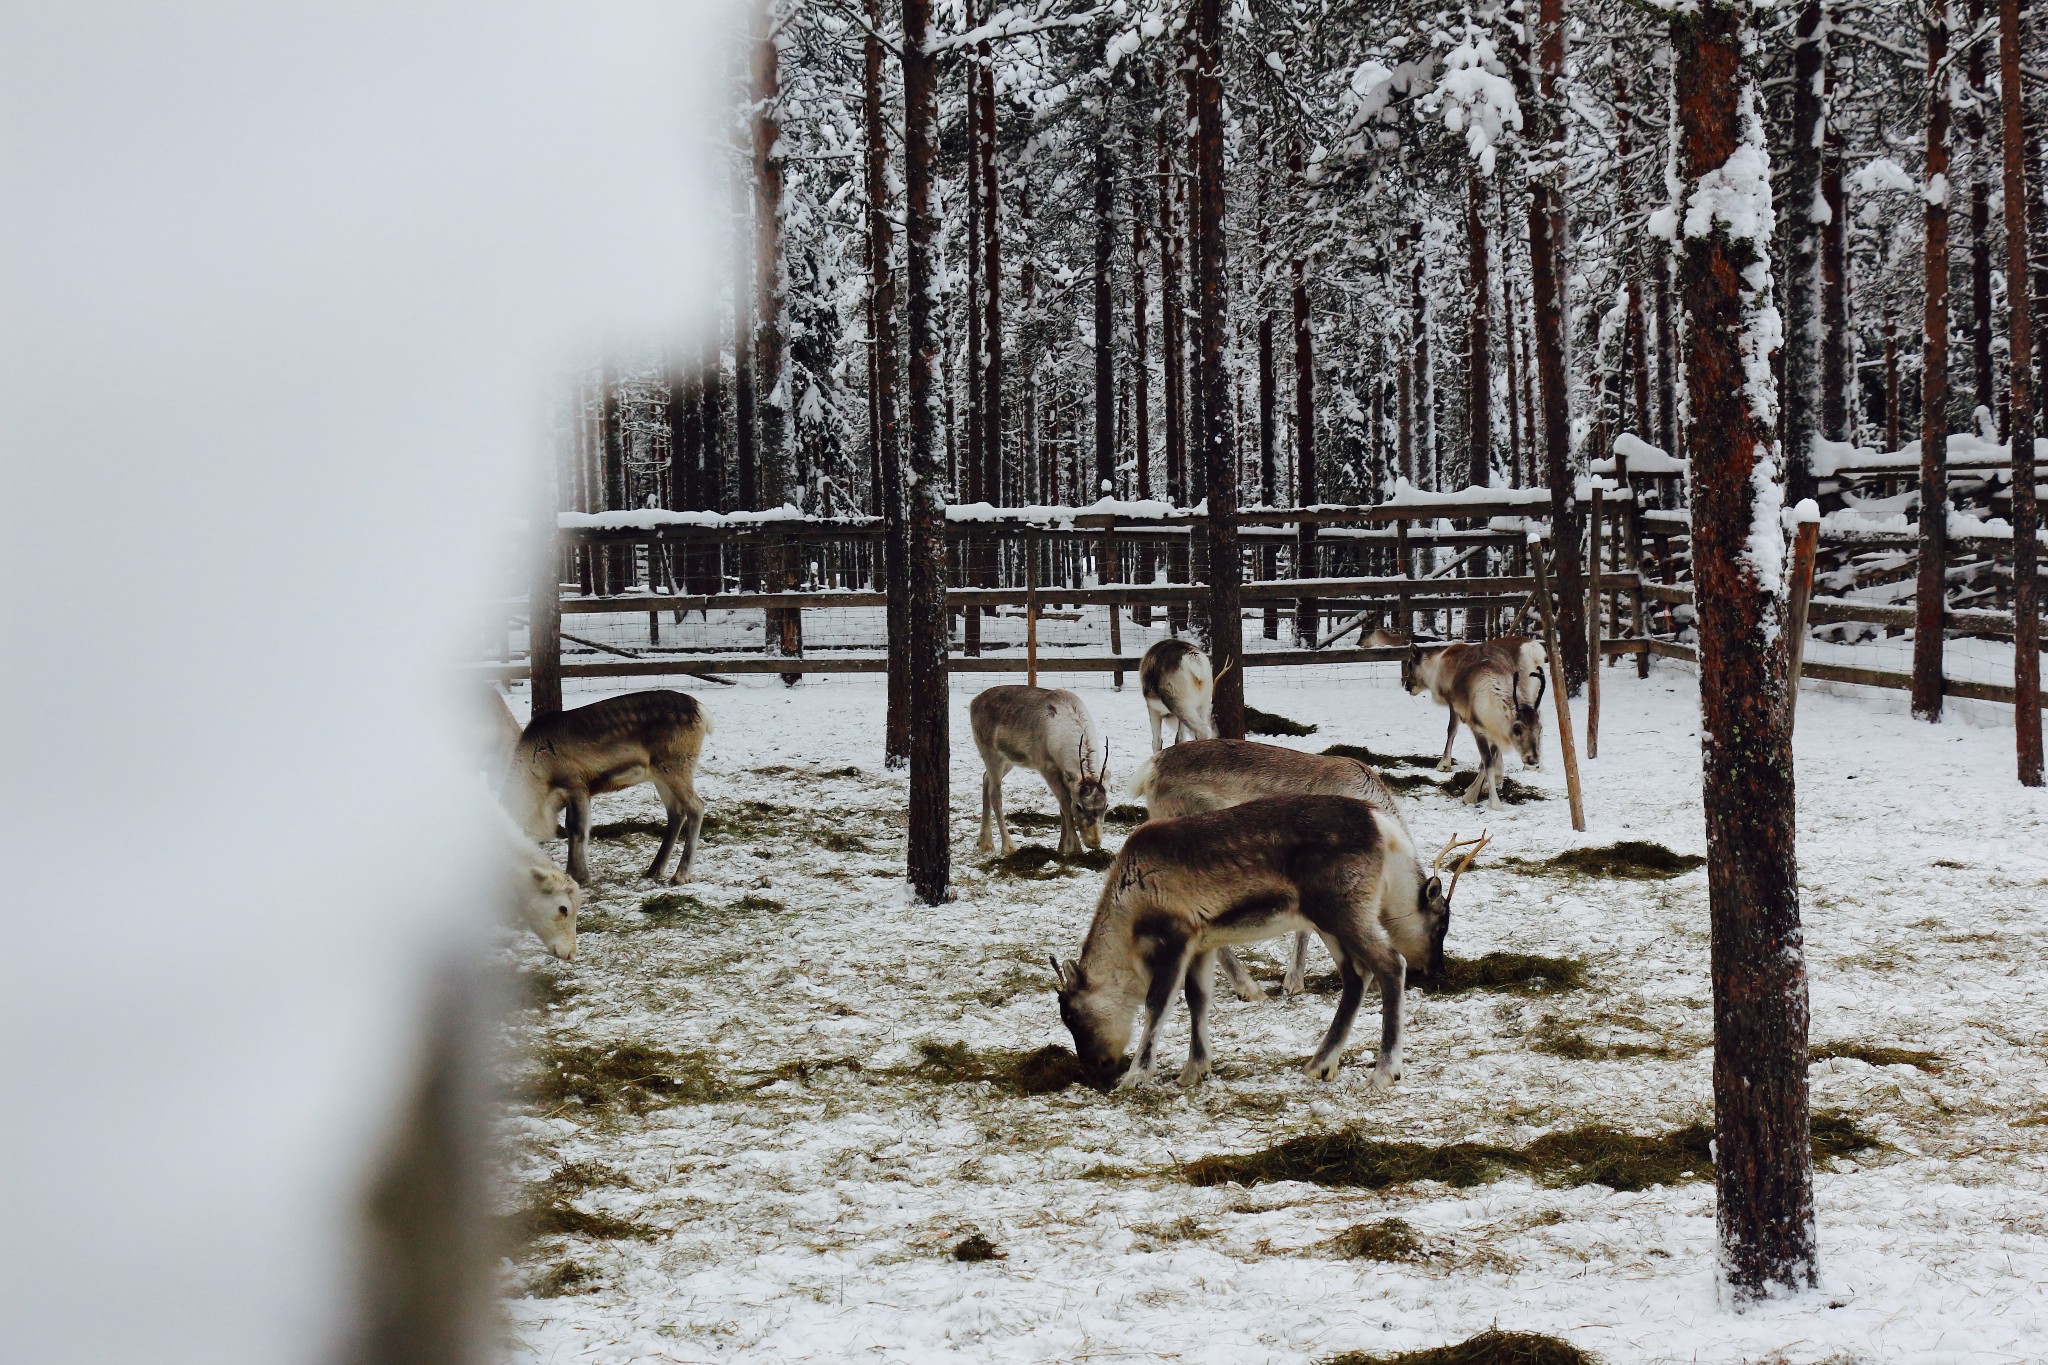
(1141, 780)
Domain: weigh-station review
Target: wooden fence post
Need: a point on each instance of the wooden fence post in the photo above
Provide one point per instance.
(1031, 608)
(1594, 630)
(1402, 612)
(1805, 545)
(544, 620)
(1564, 710)
(1112, 573)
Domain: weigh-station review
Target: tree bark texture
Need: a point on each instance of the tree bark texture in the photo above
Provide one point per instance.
(1802, 286)
(888, 437)
(1547, 284)
(2026, 518)
(1226, 623)
(930, 851)
(1307, 619)
(1105, 327)
(1984, 383)
(1763, 1163)
(1931, 589)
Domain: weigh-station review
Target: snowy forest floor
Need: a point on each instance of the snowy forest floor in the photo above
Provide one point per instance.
(833, 1103)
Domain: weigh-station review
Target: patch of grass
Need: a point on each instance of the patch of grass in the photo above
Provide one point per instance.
(1559, 1039)
(1630, 860)
(628, 1078)
(804, 1068)
(1513, 973)
(1409, 782)
(1513, 792)
(561, 1279)
(663, 904)
(975, 1247)
(834, 841)
(1042, 1071)
(1380, 760)
(1036, 862)
(1877, 1054)
(1389, 1239)
(1124, 814)
(1257, 722)
(621, 829)
(560, 1218)
(740, 821)
(540, 988)
(1490, 1347)
(1032, 819)
(1186, 1228)
(1593, 1154)
(759, 904)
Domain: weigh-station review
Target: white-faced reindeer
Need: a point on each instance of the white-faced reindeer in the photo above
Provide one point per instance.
(536, 892)
(1175, 678)
(564, 759)
(1181, 890)
(1495, 688)
(1049, 731)
(1215, 774)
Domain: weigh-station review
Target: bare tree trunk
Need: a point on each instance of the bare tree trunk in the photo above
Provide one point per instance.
(1479, 368)
(992, 306)
(747, 468)
(1425, 447)
(784, 628)
(1547, 281)
(1667, 357)
(1891, 379)
(1763, 1162)
(1268, 474)
(1984, 388)
(1802, 284)
(2026, 517)
(1510, 338)
(1172, 350)
(1931, 589)
(1226, 623)
(882, 296)
(930, 850)
(971, 487)
(1142, 425)
(1636, 344)
(1307, 619)
(1834, 291)
(1105, 327)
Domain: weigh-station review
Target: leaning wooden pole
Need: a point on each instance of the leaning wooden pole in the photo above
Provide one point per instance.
(930, 854)
(1763, 1167)
(2026, 517)
(1565, 743)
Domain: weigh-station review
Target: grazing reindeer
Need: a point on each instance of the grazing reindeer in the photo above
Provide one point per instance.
(540, 895)
(1495, 688)
(1174, 676)
(564, 759)
(1180, 890)
(1213, 774)
(1050, 732)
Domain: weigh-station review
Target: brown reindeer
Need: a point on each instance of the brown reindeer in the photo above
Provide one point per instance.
(564, 759)
(1496, 688)
(1180, 890)
(1214, 774)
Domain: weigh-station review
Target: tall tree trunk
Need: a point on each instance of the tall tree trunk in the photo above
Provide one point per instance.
(1667, 355)
(2026, 518)
(1105, 327)
(1891, 379)
(1636, 344)
(930, 853)
(1226, 623)
(1479, 368)
(746, 462)
(783, 627)
(1418, 311)
(969, 551)
(1547, 284)
(1763, 1164)
(1984, 383)
(1510, 338)
(1141, 428)
(1803, 208)
(1834, 289)
(1931, 588)
(1307, 619)
(1268, 474)
(1172, 350)
(882, 300)
(992, 306)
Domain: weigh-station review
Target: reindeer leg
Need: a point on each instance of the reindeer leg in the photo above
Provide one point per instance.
(1297, 967)
(669, 834)
(1486, 753)
(1392, 970)
(693, 825)
(1196, 991)
(1323, 1066)
(1154, 715)
(577, 817)
(984, 841)
(1169, 969)
(1240, 979)
(1447, 763)
(996, 801)
(1494, 768)
(1070, 834)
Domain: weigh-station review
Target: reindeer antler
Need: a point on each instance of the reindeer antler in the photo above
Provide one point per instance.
(1474, 845)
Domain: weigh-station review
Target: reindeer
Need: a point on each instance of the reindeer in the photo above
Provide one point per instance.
(1495, 688)
(1174, 676)
(537, 893)
(1214, 774)
(564, 759)
(1050, 732)
(1181, 890)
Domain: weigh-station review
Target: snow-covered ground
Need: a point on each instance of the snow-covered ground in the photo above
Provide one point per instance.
(811, 1215)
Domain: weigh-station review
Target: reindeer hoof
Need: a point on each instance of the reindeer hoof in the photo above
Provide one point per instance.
(1323, 1070)
(1193, 1074)
(1132, 1079)
(1250, 991)
(1445, 765)
(1293, 985)
(984, 845)
(1383, 1079)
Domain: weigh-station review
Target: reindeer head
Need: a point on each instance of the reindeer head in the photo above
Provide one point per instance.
(1099, 1020)
(548, 901)
(1527, 734)
(1411, 670)
(1436, 897)
(1091, 797)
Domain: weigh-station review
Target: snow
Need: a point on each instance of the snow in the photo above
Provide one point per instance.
(810, 1219)
(1406, 494)
(1642, 457)
(1881, 174)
